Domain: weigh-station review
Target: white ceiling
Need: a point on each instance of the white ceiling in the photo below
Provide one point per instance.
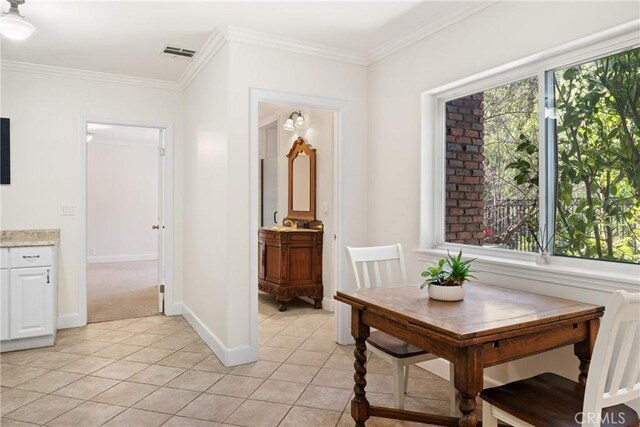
(125, 37)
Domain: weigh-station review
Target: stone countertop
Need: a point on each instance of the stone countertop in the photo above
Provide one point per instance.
(16, 238)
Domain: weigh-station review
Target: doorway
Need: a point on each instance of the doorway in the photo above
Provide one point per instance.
(300, 324)
(124, 221)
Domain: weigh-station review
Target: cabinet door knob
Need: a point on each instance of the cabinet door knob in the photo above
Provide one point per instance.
(155, 227)
(30, 257)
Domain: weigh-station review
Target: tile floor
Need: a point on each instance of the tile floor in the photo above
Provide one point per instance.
(156, 371)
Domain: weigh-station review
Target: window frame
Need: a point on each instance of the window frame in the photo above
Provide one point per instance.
(541, 65)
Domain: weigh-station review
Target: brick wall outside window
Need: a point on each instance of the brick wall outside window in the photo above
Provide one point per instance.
(465, 170)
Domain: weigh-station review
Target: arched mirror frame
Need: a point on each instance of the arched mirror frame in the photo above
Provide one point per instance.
(301, 146)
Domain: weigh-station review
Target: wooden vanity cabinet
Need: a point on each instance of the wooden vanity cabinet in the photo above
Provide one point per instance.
(290, 264)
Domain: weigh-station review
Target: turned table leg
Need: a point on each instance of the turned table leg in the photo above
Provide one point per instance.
(468, 380)
(584, 350)
(359, 404)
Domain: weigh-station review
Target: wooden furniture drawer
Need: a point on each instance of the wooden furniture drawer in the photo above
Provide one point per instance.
(33, 256)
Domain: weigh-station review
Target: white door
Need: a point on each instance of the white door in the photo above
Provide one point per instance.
(4, 305)
(160, 225)
(31, 293)
(269, 143)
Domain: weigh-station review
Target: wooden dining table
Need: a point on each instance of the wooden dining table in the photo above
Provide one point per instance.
(490, 326)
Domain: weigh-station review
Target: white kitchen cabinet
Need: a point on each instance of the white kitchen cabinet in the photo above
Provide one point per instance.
(4, 304)
(28, 298)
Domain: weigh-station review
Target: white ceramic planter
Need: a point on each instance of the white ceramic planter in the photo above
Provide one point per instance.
(446, 293)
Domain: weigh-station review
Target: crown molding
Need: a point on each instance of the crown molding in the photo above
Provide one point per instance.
(212, 46)
(51, 70)
(439, 23)
(293, 45)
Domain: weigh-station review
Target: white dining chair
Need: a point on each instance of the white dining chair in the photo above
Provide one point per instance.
(613, 379)
(369, 262)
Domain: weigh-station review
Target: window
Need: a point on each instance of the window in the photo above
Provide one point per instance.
(572, 188)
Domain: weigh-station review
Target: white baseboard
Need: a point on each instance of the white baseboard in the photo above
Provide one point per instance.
(440, 367)
(228, 356)
(174, 309)
(121, 258)
(73, 320)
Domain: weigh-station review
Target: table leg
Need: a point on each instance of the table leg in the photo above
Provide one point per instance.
(359, 404)
(584, 350)
(468, 381)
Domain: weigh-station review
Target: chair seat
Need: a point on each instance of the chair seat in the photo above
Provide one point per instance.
(551, 400)
(393, 346)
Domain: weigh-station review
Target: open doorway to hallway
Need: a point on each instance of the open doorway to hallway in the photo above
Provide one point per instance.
(123, 221)
(296, 249)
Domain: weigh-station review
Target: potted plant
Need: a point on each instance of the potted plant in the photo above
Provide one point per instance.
(445, 280)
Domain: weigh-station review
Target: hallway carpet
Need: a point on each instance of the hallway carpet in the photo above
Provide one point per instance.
(122, 290)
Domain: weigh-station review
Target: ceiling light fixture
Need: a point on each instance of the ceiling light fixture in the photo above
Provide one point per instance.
(13, 25)
(295, 120)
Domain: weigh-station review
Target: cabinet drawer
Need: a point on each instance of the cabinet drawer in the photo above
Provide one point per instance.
(36, 256)
(4, 258)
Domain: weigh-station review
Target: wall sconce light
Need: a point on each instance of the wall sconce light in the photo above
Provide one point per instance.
(295, 120)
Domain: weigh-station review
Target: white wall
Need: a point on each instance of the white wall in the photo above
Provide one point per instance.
(45, 112)
(122, 199)
(499, 34)
(208, 285)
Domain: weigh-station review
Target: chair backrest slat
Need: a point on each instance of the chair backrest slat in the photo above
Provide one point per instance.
(374, 257)
(615, 357)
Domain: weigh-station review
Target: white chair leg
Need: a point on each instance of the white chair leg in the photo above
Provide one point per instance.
(398, 384)
(453, 407)
(488, 419)
(406, 378)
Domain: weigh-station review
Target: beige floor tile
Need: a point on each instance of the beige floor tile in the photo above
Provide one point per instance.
(164, 329)
(325, 334)
(143, 339)
(138, 418)
(273, 354)
(182, 359)
(12, 399)
(308, 358)
(173, 343)
(121, 370)
(87, 365)
(23, 357)
(20, 375)
(86, 333)
(339, 361)
(379, 366)
(278, 391)
(324, 398)
(125, 394)
(54, 360)
(44, 409)
(212, 364)
(157, 375)
(285, 341)
(236, 386)
(259, 369)
(86, 387)
(211, 407)
(296, 331)
(188, 422)
(167, 400)
(378, 383)
(320, 345)
(299, 416)
(346, 350)
(195, 380)
(428, 388)
(137, 327)
(334, 378)
(89, 414)
(149, 355)
(86, 348)
(264, 337)
(254, 413)
(198, 347)
(118, 351)
(432, 406)
(63, 343)
(49, 382)
(295, 373)
(6, 422)
(156, 320)
(113, 324)
(6, 366)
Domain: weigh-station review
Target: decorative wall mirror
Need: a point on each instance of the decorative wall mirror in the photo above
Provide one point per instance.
(302, 181)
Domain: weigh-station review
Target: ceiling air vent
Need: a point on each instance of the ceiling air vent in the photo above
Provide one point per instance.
(178, 52)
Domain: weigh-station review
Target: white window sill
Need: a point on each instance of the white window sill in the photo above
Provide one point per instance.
(576, 273)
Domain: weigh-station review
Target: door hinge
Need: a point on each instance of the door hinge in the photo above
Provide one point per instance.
(162, 151)
(162, 289)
